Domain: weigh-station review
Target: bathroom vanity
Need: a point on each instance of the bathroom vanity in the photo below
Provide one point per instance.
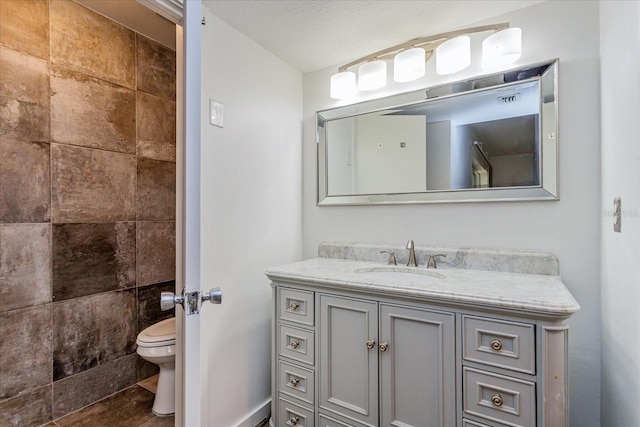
(479, 341)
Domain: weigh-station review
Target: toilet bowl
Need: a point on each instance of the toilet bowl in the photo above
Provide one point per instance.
(157, 344)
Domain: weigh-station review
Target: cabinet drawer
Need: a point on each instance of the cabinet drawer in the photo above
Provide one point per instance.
(296, 382)
(335, 421)
(296, 343)
(498, 398)
(290, 414)
(499, 343)
(296, 306)
(469, 423)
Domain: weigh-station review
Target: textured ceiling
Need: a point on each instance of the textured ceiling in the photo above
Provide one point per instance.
(314, 34)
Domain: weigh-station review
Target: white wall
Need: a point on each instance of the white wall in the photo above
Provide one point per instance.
(380, 170)
(251, 213)
(620, 69)
(568, 228)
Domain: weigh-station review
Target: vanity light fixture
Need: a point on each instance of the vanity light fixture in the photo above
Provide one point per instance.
(452, 52)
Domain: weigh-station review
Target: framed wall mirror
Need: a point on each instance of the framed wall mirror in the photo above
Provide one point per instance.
(491, 138)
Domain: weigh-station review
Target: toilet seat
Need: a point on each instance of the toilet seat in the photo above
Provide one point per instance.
(158, 335)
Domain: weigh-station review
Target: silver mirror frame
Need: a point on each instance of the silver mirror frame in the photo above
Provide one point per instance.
(549, 157)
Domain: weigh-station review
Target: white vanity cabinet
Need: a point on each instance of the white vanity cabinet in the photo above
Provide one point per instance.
(354, 352)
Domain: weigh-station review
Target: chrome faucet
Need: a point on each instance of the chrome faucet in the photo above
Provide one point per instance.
(412, 254)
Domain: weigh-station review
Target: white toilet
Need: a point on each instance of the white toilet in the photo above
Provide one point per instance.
(157, 344)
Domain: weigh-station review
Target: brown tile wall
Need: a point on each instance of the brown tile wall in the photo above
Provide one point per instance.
(87, 205)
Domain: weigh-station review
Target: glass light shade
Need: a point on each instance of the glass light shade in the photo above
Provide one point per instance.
(502, 48)
(408, 65)
(343, 85)
(372, 75)
(453, 55)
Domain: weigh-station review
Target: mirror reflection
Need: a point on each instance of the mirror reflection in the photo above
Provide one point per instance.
(476, 136)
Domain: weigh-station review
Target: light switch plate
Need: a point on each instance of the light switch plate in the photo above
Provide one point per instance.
(216, 113)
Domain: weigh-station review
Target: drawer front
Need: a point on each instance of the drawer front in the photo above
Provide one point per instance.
(332, 420)
(296, 306)
(499, 343)
(469, 423)
(297, 382)
(498, 398)
(292, 415)
(297, 344)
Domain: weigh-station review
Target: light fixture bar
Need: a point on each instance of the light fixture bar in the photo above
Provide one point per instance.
(433, 42)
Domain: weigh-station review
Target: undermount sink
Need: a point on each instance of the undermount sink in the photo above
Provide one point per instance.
(400, 273)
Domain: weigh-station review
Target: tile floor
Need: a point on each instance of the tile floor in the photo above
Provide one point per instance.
(130, 407)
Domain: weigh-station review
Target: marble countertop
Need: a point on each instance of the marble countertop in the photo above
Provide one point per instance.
(542, 294)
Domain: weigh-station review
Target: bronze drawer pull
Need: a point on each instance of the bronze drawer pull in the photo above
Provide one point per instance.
(496, 399)
(496, 345)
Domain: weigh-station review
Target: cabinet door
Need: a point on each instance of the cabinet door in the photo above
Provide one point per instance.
(417, 370)
(348, 369)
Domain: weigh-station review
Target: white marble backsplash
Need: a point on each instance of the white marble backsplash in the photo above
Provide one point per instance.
(523, 262)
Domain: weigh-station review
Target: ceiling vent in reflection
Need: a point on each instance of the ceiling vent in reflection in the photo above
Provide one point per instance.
(509, 99)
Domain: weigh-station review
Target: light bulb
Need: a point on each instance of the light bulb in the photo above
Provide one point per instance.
(409, 65)
(453, 55)
(372, 75)
(502, 48)
(343, 85)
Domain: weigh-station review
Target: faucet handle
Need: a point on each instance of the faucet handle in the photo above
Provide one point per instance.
(432, 260)
(392, 257)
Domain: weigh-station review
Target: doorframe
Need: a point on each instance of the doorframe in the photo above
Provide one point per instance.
(188, 400)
